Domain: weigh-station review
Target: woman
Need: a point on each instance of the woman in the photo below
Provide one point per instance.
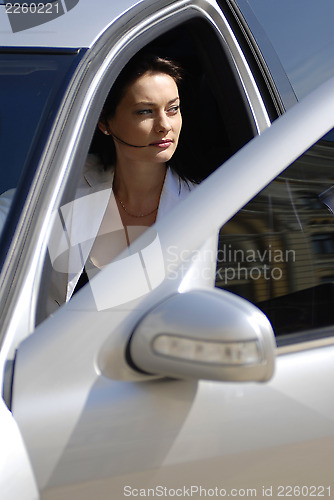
(131, 179)
(142, 121)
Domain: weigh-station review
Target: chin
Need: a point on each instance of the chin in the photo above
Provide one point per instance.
(165, 156)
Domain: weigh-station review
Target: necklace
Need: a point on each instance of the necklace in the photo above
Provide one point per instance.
(139, 215)
(132, 214)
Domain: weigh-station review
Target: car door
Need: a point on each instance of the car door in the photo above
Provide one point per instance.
(61, 133)
(17, 479)
(94, 426)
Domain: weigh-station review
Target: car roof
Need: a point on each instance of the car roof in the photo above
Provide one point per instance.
(82, 23)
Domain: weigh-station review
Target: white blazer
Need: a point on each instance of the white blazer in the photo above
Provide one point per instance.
(77, 224)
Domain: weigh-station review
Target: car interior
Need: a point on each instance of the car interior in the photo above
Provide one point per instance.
(216, 116)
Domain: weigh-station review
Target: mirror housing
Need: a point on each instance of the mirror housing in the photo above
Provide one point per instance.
(205, 334)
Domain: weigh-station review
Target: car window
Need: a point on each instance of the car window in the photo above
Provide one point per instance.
(290, 25)
(212, 96)
(30, 93)
(278, 251)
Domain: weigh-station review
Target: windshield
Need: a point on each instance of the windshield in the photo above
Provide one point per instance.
(32, 85)
(302, 34)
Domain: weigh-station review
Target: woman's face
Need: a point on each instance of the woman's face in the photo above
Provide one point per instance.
(148, 115)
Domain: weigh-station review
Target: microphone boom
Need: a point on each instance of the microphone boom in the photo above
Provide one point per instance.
(126, 143)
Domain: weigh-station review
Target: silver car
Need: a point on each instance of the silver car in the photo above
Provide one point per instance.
(164, 377)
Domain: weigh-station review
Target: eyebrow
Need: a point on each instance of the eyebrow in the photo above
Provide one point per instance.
(146, 103)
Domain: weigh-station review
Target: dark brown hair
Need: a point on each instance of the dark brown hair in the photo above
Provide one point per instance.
(140, 64)
(137, 67)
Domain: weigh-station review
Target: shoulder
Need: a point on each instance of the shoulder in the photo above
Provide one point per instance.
(177, 187)
(174, 190)
(94, 175)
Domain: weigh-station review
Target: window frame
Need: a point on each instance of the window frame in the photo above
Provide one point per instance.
(71, 134)
(300, 232)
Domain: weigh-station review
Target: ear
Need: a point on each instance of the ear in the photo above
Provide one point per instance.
(103, 127)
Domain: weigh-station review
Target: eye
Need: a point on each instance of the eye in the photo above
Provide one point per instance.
(142, 112)
(173, 109)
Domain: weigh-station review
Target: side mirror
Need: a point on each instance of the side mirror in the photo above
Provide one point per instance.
(205, 334)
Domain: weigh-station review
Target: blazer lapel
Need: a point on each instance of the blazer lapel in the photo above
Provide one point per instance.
(82, 218)
(173, 191)
(86, 215)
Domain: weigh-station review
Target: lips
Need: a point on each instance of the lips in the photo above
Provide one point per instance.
(165, 143)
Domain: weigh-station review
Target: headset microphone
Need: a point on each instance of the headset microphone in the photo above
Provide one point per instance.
(126, 143)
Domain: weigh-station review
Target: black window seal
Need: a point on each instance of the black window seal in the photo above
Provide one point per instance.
(266, 66)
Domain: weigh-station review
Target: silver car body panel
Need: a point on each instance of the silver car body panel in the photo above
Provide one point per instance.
(17, 479)
(88, 435)
(308, 60)
(265, 53)
(167, 423)
(72, 133)
(68, 30)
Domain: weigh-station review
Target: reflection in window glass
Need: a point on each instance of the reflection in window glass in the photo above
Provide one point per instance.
(323, 243)
(278, 251)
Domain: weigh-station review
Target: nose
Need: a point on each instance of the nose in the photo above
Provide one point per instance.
(163, 123)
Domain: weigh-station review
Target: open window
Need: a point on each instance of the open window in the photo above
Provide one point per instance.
(218, 117)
